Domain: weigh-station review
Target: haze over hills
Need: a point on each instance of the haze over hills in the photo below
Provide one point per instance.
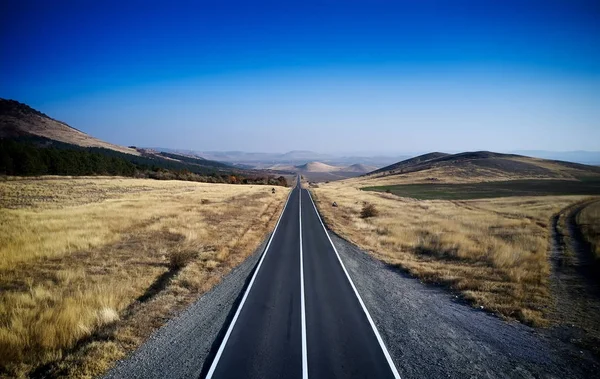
(581, 156)
(317, 167)
(19, 121)
(24, 125)
(33, 143)
(292, 158)
(323, 167)
(360, 168)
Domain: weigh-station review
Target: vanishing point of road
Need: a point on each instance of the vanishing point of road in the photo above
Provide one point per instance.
(301, 315)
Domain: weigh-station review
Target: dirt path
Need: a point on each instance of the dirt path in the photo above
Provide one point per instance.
(573, 283)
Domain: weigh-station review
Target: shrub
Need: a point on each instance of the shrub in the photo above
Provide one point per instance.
(368, 210)
(178, 259)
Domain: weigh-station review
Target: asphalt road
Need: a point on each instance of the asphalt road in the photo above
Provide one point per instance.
(301, 315)
(291, 311)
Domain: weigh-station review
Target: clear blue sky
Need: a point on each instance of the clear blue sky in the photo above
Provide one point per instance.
(331, 76)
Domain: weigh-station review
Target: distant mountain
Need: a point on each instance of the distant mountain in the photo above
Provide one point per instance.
(234, 157)
(485, 164)
(257, 159)
(286, 160)
(19, 120)
(317, 167)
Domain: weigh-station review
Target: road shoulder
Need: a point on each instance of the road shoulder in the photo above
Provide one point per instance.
(431, 333)
(184, 347)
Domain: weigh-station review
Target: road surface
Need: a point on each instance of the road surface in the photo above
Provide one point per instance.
(301, 316)
(291, 311)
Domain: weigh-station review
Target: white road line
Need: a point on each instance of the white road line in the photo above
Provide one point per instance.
(213, 366)
(302, 306)
(377, 335)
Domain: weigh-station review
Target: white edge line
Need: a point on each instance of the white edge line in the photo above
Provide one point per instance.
(215, 361)
(302, 304)
(377, 335)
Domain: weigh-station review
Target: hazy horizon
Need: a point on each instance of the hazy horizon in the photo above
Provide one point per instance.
(328, 77)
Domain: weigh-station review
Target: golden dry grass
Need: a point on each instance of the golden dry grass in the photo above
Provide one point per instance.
(89, 267)
(494, 251)
(589, 222)
(56, 130)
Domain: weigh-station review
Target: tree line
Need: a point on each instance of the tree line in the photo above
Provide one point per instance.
(39, 156)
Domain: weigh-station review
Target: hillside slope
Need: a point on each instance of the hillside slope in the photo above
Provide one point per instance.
(19, 120)
(32, 144)
(317, 167)
(421, 159)
(479, 166)
(359, 168)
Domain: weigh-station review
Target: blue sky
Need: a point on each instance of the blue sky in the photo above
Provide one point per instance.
(331, 76)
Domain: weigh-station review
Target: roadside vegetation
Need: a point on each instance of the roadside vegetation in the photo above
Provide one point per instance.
(89, 267)
(588, 220)
(493, 251)
(34, 156)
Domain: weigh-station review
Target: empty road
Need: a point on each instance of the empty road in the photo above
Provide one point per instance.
(301, 316)
(291, 311)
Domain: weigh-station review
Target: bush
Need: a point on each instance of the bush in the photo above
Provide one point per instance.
(368, 210)
(178, 259)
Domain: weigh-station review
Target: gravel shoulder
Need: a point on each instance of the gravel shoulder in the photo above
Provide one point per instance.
(431, 333)
(181, 347)
(428, 331)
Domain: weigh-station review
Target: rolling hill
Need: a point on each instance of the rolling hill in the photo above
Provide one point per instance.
(33, 143)
(320, 167)
(19, 120)
(483, 165)
(317, 167)
(477, 175)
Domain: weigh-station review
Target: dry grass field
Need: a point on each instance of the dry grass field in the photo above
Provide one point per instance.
(493, 251)
(589, 222)
(90, 266)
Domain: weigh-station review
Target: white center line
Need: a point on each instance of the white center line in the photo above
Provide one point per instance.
(302, 306)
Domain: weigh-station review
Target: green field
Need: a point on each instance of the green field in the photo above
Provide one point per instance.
(464, 191)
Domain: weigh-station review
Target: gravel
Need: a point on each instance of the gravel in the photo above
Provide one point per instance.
(431, 333)
(181, 347)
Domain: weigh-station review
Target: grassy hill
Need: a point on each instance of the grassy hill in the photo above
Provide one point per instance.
(317, 167)
(322, 172)
(32, 143)
(19, 120)
(480, 166)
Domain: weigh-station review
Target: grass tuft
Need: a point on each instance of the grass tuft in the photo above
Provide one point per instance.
(368, 211)
(178, 259)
